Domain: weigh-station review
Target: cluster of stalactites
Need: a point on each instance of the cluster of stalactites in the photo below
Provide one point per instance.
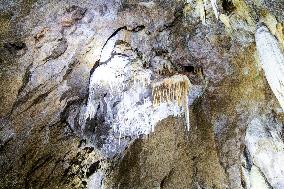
(173, 89)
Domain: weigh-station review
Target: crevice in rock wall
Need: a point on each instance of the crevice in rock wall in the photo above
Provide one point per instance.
(167, 26)
(72, 119)
(93, 168)
(13, 47)
(41, 162)
(248, 159)
(98, 62)
(266, 180)
(25, 81)
(228, 6)
(73, 14)
(58, 50)
(165, 179)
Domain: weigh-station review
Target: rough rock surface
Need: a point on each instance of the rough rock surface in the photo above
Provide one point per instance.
(50, 51)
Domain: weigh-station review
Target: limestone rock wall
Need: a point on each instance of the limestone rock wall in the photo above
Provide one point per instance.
(68, 68)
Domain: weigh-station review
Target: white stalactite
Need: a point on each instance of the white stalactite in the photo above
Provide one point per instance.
(272, 61)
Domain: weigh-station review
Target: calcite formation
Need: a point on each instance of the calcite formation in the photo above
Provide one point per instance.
(126, 83)
(272, 61)
(173, 89)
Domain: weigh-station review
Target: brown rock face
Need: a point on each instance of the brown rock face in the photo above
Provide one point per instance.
(50, 53)
(170, 157)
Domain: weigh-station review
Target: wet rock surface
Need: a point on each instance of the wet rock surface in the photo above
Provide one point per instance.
(49, 51)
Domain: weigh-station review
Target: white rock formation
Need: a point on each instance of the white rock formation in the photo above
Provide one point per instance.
(257, 179)
(120, 91)
(266, 148)
(272, 61)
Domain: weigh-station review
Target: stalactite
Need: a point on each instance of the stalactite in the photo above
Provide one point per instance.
(173, 89)
(272, 61)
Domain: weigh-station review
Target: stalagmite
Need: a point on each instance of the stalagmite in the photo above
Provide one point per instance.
(272, 61)
(173, 89)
